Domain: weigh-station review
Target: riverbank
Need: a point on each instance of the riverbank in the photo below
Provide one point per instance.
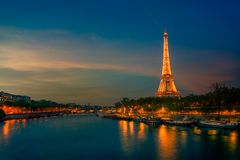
(182, 120)
(175, 120)
(32, 115)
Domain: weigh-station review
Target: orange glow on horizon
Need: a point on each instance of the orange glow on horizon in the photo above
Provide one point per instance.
(12, 109)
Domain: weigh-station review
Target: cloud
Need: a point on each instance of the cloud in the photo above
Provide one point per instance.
(27, 51)
(77, 85)
(197, 70)
(57, 64)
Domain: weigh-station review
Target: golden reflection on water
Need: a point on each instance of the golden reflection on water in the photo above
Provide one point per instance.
(233, 137)
(131, 135)
(233, 140)
(10, 126)
(197, 131)
(183, 137)
(166, 142)
(131, 128)
(212, 132)
(7, 128)
(24, 123)
(124, 133)
(141, 132)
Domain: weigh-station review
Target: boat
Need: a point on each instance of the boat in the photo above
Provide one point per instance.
(98, 114)
(153, 121)
(186, 122)
(219, 124)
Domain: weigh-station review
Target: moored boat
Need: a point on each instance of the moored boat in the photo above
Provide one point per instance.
(153, 122)
(186, 123)
(219, 124)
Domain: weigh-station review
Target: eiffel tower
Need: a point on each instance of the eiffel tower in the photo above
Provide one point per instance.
(167, 86)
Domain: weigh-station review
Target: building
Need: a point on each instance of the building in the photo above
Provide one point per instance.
(11, 97)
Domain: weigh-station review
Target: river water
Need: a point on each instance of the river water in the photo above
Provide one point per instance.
(88, 137)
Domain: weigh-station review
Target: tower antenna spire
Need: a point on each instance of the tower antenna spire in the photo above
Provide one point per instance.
(165, 30)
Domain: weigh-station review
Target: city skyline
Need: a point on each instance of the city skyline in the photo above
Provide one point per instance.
(93, 52)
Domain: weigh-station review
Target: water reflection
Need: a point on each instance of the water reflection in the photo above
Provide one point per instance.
(24, 123)
(142, 131)
(10, 126)
(137, 140)
(183, 136)
(131, 134)
(197, 131)
(228, 137)
(166, 142)
(123, 131)
(233, 140)
(7, 127)
(170, 141)
(212, 132)
(131, 128)
(126, 138)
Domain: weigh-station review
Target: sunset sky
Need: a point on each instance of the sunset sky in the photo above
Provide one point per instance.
(98, 51)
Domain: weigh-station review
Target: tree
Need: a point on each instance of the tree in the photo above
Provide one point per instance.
(117, 104)
(2, 114)
(219, 93)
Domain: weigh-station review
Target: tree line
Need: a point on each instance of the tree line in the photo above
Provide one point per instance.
(33, 104)
(219, 98)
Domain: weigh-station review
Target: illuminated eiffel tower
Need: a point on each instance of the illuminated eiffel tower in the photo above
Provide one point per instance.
(167, 86)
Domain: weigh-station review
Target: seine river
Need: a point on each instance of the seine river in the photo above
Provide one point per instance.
(89, 137)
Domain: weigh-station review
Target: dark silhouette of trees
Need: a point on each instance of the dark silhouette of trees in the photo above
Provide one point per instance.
(219, 98)
(33, 104)
(2, 114)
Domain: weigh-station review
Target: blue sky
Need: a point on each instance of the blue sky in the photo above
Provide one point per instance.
(96, 52)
